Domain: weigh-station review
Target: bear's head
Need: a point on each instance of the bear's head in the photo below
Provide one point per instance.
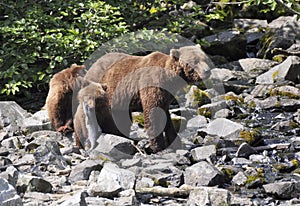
(94, 93)
(194, 63)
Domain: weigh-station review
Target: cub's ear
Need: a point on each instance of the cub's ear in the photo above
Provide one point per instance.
(104, 86)
(175, 53)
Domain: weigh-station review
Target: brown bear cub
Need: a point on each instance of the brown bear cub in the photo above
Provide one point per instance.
(59, 99)
(93, 116)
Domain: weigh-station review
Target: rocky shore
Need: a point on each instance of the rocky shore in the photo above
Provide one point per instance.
(240, 135)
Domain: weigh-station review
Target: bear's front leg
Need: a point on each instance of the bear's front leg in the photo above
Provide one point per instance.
(155, 119)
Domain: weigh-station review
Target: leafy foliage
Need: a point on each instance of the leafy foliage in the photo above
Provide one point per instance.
(39, 38)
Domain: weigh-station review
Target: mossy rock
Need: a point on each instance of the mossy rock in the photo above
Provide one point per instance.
(138, 118)
(204, 112)
(250, 136)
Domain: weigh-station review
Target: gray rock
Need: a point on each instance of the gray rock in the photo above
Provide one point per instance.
(207, 153)
(261, 90)
(222, 74)
(115, 146)
(195, 97)
(289, 69)
(288, 91)
(249, 23)
(196, 122)
(11, 175)
(212, 108)
(37, 184)
(11, 115)
(144, 182)
(255, 66)
(97, 201)
(164, 175)
(224, 128)
(203, 174)
(209, 196)
(127, 197)
(240, 161)
(112, 180)
(78, 199)
(83, 170)
(239, 179)
(224, 113)
(132, 162)
(283, 34)
(245, 150)
(8, 194)
(230, 44)
(38, 121)
(283, 190)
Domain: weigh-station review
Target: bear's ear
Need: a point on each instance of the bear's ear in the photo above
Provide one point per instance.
(175, 53)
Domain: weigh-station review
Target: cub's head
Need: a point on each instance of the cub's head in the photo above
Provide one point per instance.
(194, 63)
(93, 93)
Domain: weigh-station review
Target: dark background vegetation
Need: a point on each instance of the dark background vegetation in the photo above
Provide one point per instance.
(41, 37)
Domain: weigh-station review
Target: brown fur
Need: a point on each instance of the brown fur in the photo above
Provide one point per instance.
(141, 80)
(59, 99)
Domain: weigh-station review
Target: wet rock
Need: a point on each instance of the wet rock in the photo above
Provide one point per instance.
(289, 69)
(283, 190)
(115, 146)
(112, 180)
(203, 174)
(207, 153)
(231, 44)
(78, 199)
(83, 170)
(209, 196)
(224, 128)
(245, 150)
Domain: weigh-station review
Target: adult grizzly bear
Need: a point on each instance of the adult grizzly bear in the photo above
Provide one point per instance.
(59, 99)
(148, 83)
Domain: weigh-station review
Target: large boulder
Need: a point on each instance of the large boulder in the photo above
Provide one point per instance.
(287, 70)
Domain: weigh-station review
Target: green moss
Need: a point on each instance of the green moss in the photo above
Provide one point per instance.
(275, 74)
(139, 119)
(294, 125)
(228, 172)
(252, 104)
(279, 58)
(278, 104)
(200, 97)
(237, 99)
(259, 175)
(275, 92)
(250, 136)
(204, 112)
